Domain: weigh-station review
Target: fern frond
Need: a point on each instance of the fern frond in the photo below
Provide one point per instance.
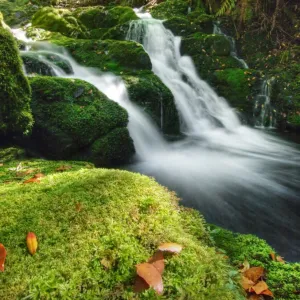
(227, 5)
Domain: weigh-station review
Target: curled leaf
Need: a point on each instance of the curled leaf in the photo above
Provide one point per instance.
(280, 259)
(259, 287)
(254, 273)
(247, 283)
(140, 285)
(32, 243)
(2, 257)
(272, 255)
(151, 276)
(157, 260)
(170, 247)
(267, 293)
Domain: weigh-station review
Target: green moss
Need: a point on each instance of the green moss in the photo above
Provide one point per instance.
(70, 115)
(282, 279)
(15, 114)
(170, 8)
(57, 20)
(92, 253)
(108, 55)
(147, 90)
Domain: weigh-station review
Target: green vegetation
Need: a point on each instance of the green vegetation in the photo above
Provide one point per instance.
(282, 279)
(170, 8)
(15, 114)
(71, 115)
(147, 90)
(93, 226)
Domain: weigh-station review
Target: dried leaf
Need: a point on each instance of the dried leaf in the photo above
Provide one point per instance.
(63, 168)
(254, 273)
(259, 287)
(39, 175)
(170, 247)
(32, 180)
(247, 283)
(32, 243)
(272, 255)
(78, 206)
(151, 275)
(267, 293)
(140, 285)
(1, 165)
(280, 259)
(157, 260)
(255, 297)
(2, 257)
(246, 266)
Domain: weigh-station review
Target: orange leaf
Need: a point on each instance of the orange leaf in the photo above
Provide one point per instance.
(259, 287)
(254, 273)
(2, 257)
(63, 168)
(151, 275)
(272, 255)
(267, 293)
(140, 285)
(32, 243)
(32, 180)
(39, 175)
(247, 283)
(280, 259)
(157, 260)
(170, 247)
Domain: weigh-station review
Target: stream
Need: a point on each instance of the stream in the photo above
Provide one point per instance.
(243, 179)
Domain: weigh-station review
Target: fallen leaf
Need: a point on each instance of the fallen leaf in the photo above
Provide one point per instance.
(2, 257)
(151, 275)
(259, 287)
(32, 243)
(247, 283)
(255, 297)
(170, 247)
(254, 273)
(78, 206)
(32, 180)
(157, 260)
(1, 165)
(39, 175)
(267, 293)
(280, 259)
(246, 266)
(140, 285)
(272, 255)
(63, 168)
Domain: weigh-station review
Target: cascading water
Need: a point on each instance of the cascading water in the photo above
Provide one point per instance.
(264, 113)
(238, 177)
(233, 50)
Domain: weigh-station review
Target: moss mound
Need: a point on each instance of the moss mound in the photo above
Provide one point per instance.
(15, 114)
(282, 279)
(92, 253)
(147, 90)
(71, 115)
(108, 55)
(170, 8)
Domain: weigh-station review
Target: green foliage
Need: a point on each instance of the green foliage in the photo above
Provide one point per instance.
(108, 55)
(282, 279)
(226, 6)
(92, 253)
(70, 115)
(147, 90)
(15, 114)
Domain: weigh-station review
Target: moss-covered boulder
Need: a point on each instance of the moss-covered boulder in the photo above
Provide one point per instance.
(15, 114)
(282, 279)
(147, 90)
(33, 65)
(108, 55)
(170, 8)
(71, 116)
(57, 20)
(93, 227)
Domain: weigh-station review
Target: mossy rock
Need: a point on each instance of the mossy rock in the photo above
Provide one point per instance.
(180, 26)
(282, 279)
(108, 55)
(169, 9)
(201, 20)
(211, 44)
(147, 90)
(70, 115)
(100, 17)
(15, 113)
(93, 227)
(57, 20)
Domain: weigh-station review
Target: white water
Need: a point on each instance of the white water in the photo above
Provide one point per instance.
(233, 52)
(238, 177)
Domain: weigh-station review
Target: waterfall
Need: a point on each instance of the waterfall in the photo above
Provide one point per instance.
(264, 114)
(233, 50)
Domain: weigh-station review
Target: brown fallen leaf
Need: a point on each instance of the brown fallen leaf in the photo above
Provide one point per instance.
(63, 168)
(151, 275)
(78, 206)
(254, 273)
(32, 180)
(39, 175)
(272, 255)
(2, 257)
(255, 297)
(247, 283)
(140, 285)
(170, 247)
(157, 260)
(259, 287)
(267, 293)
(280, 259)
